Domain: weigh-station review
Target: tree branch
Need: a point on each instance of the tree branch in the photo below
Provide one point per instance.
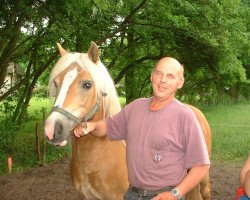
(124, 70)
(27, 78)
(124, 24)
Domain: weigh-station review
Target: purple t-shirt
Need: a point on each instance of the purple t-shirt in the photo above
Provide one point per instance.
(161, 145)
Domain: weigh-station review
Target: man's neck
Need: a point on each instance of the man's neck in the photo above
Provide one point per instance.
(158, 103)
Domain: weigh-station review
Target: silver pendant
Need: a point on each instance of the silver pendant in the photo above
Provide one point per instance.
(157, 158)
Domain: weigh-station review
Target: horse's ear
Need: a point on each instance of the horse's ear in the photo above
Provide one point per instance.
(93, 52)
(61, 49)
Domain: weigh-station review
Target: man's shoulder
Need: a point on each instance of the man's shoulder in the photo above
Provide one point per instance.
(140, 101)
(182, 107)
(137, 104)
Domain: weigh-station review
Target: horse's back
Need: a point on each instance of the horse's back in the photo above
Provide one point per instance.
(204, 126)
(202, 191)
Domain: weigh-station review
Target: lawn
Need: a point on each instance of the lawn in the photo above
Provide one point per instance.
(230, 127)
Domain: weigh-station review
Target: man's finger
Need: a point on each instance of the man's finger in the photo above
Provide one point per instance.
(76, 133)
(85, 131)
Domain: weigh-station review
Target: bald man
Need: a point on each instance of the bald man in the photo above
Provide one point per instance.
(166, 150)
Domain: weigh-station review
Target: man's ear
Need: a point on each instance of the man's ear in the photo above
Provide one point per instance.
(181, 83)
(151, 77)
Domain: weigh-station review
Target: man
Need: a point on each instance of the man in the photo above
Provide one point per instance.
(164, 139)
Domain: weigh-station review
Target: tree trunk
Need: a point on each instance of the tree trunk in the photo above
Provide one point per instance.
(220, 94)
(234, 92)
(130, 75)
(19, 104)
(8, 51)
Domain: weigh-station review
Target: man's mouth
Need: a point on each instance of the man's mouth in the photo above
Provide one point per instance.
(162, 88)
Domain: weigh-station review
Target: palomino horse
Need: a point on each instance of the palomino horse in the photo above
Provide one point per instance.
(84, 91)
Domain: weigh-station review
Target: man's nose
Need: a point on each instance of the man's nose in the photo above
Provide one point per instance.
(164, 79)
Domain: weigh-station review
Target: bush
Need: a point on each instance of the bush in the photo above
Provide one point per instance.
(8, 131)
(40, 92)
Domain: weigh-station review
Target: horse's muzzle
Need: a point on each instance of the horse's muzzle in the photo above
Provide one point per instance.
(59, 136)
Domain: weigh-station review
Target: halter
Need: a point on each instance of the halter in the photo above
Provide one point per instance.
(87, 117)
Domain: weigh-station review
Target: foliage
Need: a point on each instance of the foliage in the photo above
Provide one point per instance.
(19, 141)
(210, 38)
(8, 132)
(41, 92)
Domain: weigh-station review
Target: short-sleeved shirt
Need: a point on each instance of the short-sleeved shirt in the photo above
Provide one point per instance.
(161, 145)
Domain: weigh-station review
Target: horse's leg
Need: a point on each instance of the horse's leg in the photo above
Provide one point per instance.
(205, 188)
(194, 194)
(202, 191)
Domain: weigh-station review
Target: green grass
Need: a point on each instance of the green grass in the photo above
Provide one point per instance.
(230, 127)
(23, 151)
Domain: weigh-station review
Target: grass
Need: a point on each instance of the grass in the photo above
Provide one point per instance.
(23, 148)
(230, 127)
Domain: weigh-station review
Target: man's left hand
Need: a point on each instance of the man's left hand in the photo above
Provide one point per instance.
(164, 196)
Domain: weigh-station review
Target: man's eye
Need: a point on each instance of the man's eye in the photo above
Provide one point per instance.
(158, 74)
(171, 76)
(87, 85)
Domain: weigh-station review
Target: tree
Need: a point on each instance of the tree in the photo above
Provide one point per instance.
(210, 38)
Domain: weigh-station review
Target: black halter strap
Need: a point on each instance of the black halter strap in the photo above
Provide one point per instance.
(87, 117)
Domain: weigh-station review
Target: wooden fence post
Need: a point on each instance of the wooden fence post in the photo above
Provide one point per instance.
(44, 141)
(38, 146)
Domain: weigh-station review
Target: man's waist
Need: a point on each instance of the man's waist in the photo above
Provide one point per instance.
(149, 192)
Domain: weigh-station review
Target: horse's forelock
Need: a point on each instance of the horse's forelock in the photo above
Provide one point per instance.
(62, 64)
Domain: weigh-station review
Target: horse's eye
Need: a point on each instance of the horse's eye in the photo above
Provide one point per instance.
(87, 85)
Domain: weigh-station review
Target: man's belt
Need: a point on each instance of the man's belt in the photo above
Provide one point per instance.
(145, 192)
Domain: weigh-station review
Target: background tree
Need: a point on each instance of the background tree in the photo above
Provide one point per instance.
(210, 38)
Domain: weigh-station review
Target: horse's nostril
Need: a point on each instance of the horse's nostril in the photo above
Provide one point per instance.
(57, 136)
(58, 131)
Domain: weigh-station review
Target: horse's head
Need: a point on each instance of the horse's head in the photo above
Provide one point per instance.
(79, 83)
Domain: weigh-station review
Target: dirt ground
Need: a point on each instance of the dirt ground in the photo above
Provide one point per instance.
(52, 182)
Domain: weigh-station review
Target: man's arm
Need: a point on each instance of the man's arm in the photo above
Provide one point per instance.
(190, 181)
(98, 128)
(245, 176)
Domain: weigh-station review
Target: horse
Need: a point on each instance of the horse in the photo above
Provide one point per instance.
(84, 91)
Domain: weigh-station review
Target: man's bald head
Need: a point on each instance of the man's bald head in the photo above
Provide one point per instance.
(173, 62)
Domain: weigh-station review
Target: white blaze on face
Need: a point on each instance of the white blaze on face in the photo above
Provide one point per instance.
(67, 81)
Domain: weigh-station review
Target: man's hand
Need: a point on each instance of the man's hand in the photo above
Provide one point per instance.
(84, 128)
(79, 130)
(164, 196)
(97, 128)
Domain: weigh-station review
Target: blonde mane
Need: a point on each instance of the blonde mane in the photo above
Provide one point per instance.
(102, 80)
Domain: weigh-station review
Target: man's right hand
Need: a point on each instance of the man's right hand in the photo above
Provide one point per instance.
(98, 128)
(84, 128)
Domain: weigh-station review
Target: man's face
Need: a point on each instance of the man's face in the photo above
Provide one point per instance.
(166, 79)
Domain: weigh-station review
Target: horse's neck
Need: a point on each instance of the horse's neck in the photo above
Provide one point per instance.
(99, 115)
(106, 110)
